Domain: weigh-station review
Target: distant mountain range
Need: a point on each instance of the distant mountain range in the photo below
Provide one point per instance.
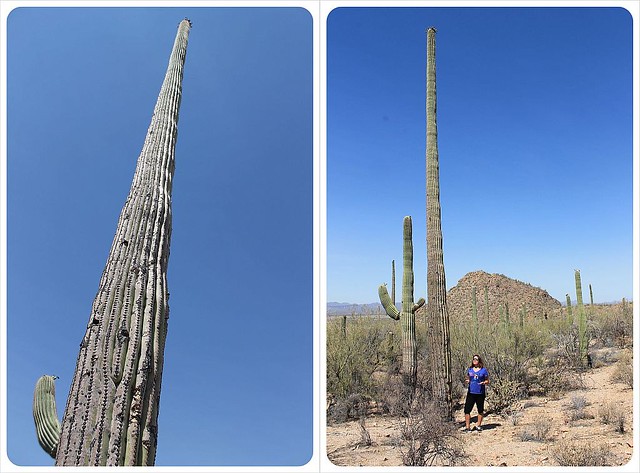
(347, 308)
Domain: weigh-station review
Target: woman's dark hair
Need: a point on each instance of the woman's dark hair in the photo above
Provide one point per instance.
(480, 363)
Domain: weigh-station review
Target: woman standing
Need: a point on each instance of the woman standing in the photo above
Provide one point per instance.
(477, 378)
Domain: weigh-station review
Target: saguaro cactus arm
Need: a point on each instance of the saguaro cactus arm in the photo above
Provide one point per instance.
(389, 307)
(417, 305)
(45, 414)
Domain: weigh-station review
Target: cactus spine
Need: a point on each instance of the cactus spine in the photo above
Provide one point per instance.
(112, 409)
(582, 321)
(45, 414)
(407, 315)
(437, 313)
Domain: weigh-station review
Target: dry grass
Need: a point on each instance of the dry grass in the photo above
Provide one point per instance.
(579, 453)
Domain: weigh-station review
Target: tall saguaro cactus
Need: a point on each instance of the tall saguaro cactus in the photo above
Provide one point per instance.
(407, 315)
(437, 313)
(112, 409)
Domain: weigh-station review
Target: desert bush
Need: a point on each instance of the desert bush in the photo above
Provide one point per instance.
(613, 325)
(352, 407)
(538, 431)
(578, 402)
(576, 408)
(623, 372)
(567, 343)
(513, 414)
(611, 413)
(428, 439)
(395, 397)
(353, 356)
(581, 453)
(503, 394)
(555, 375)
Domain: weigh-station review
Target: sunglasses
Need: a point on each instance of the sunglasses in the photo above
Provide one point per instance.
(476, 358)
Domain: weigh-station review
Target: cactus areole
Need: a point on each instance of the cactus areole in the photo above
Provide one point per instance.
(437, 314)
(112, 409)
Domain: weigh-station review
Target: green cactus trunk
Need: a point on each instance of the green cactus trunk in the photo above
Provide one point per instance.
(486, 304)
(112, 408)
(407, 314)
(45, 415)
(437, 313)
(507, 319)
(474, 315)
(582, 322)
(590, 295)
(569, 311)
(523, 316)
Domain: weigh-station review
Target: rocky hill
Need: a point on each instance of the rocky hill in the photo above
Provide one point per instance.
(501, 291)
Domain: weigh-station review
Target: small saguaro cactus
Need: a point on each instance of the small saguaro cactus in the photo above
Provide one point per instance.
(407, 315)
(523, 315)
(486, 304)
(474, 315)
(582, 321)
(569, 312)
(45, 415)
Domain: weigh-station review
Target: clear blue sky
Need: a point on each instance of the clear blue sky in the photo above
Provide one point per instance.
(535, 143)
(82, 83)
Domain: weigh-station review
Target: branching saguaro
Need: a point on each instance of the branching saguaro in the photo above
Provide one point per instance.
(407, 315)
(437, 313)
(112, 409)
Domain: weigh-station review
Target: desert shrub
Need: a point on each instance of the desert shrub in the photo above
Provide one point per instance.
(555, 375)
(611, 413)
(428, 439)
(503, 394)
(352, 407)
(613, 325)
(578, 402)
(581, 453)
(623, 372)
(538, 431)
(567, 343)
(354, 356)
(394, 396)
(513, 414)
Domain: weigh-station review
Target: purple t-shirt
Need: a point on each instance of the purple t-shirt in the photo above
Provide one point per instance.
(475, 378)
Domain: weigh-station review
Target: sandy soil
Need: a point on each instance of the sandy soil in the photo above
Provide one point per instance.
(501, 441)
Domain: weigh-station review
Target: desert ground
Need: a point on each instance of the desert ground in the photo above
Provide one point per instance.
(534, 433)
